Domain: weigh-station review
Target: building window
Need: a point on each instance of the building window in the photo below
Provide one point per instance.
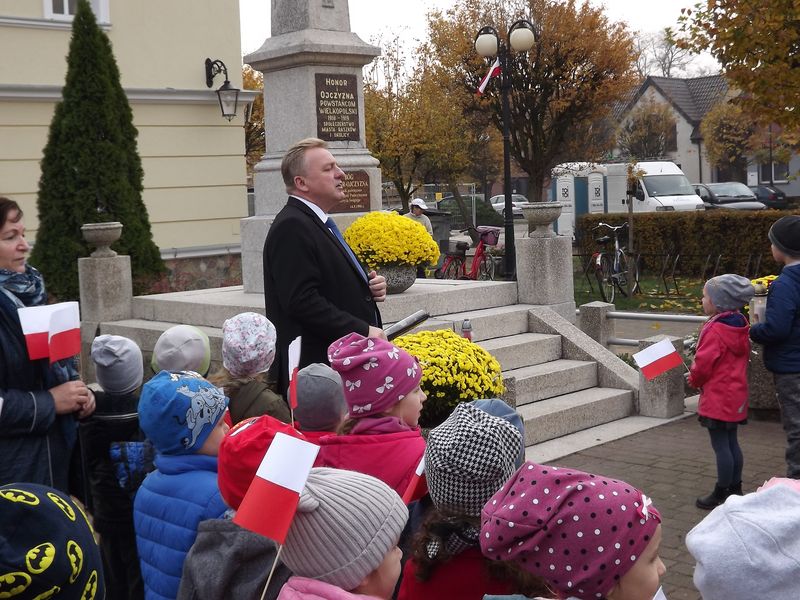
(779, 172)
(64, 10)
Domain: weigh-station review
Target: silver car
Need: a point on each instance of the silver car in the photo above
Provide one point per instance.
(517, 200)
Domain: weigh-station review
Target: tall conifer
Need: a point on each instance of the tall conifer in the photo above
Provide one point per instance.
(91, 170)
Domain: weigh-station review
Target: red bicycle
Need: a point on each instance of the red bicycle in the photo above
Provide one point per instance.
(455, 262)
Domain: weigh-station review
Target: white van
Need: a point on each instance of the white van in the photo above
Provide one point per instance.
(662, 186)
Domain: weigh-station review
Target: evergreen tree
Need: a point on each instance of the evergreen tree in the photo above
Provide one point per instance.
(91, 170)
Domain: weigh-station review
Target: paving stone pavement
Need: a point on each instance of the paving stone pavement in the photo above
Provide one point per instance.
(674, 464)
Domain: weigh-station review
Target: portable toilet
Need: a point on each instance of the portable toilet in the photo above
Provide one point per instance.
(564, 192)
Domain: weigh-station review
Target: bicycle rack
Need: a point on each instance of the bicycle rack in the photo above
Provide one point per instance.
(588, 265)
(754, 261)
(674, 279)
(663, 275)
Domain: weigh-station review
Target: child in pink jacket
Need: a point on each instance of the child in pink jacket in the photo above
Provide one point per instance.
(719, 371)
(381, 436)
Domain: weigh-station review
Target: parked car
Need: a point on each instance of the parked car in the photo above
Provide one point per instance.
(727, 195)
(769, 196)
(517, 200)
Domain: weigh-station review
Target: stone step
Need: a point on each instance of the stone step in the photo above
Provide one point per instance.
(523, 349)
(551, 379)
(437, 296)
(576, 411)
(487, 323)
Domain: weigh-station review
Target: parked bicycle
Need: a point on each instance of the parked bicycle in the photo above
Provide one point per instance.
(612, 268)
(455, 262)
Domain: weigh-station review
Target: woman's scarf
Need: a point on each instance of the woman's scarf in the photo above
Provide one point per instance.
(27, 287)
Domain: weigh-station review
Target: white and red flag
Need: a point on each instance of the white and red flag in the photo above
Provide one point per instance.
(657, 359)
(294, 362)
(494, 71)
(418, 486)
(271, 501)
(51, 331)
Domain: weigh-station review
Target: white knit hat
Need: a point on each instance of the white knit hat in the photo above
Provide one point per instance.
(345, 525)
(749, 547)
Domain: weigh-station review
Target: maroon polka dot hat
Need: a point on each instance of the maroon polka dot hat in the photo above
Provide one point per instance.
(578, 531)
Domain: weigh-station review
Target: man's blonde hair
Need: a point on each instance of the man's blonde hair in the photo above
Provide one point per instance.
(293, 163)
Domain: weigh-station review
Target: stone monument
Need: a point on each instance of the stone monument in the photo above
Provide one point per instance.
(313, 86)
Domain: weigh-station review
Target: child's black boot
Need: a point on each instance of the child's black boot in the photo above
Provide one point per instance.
(714, 499)
(735, 489)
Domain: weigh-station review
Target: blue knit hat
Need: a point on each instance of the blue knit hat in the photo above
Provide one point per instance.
(178, 411)
(47, 547)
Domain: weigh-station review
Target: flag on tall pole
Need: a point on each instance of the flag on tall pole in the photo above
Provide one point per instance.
(494, 71)
(271, 501)
(657, 359)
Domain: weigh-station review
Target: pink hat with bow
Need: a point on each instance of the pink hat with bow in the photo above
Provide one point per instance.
(580, 532)
(375, 373)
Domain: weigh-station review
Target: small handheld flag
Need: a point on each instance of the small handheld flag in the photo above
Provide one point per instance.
(294, 362)
(657, 359)
(278, 483)
(413, 485)
(52, 331)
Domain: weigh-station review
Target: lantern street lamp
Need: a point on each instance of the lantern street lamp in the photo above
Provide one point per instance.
(227, 94)
(521, 37)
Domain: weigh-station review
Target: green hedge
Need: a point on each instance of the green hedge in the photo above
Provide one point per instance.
(736, 235)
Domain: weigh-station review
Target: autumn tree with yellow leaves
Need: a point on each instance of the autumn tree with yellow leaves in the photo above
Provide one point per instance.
(562, 91)
(757, 43)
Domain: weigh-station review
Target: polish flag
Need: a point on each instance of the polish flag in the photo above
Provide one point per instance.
(51, 331)
(271, 500)
(294, 362)
(65, 331)
(494, 71)
(657, 359)
(418, 486)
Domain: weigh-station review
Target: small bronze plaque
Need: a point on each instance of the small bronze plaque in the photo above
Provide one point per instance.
(356, 189)
(337, 108)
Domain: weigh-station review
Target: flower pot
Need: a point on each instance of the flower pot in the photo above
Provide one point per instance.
(101, 236)
(540, 217)
(398, 277)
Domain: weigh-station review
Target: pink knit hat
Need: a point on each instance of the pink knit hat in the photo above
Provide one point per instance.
(376, 373)
(580, 532)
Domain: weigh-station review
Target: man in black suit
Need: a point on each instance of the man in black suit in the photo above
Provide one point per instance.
(313, 284)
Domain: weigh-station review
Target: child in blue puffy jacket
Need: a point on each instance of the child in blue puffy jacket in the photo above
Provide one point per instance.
(181, 414)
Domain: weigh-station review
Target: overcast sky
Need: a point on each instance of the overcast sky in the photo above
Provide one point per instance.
(373, 18)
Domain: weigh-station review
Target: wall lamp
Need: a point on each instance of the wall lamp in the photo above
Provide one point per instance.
(228, 95)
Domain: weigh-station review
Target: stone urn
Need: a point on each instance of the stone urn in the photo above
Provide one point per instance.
(398, 277)
(540, 217)
(101, 236)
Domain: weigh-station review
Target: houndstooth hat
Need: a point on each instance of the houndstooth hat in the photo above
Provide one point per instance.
(468, 458)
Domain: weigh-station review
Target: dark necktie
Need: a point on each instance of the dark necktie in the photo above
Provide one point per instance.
(331, 224)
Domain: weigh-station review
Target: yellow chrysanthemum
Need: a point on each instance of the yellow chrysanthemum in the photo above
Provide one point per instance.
(453, 370)
(386, 238)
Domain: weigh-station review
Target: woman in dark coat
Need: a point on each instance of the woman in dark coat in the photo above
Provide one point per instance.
(39, 402)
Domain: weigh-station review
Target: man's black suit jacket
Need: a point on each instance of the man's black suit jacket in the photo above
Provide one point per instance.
(311, 288)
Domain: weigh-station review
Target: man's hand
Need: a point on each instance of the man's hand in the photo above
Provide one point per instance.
(377, 287)
(70, 397)
(376, 332)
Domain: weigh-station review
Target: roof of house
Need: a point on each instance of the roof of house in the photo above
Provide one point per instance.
(692, 97)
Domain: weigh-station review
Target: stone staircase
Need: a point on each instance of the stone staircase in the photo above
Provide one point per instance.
(560, 380)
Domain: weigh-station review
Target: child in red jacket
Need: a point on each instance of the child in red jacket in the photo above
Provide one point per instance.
(381, 436)
(719, 371)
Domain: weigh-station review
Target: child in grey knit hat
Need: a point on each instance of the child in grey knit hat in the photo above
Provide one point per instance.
(719, 371)
(342, 543)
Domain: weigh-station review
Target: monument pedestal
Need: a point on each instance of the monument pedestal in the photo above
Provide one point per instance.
(312, 67)
(544, 273)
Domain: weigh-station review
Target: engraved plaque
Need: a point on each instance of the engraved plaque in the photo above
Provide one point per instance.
(337, 108)
(356, 189)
